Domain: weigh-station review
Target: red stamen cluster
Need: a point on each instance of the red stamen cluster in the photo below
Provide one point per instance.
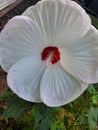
(51, 52)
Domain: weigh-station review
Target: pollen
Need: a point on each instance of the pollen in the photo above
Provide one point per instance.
(50, 55)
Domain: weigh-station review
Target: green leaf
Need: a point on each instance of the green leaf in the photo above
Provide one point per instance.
(7, 93)
(44, 125)
(16, 107)
(91, 89)
(82, 118)
(94, 21)
(28, 116)
(66, 123)
(93, 117)
(95, 98)
(42, 117)
(57, 125)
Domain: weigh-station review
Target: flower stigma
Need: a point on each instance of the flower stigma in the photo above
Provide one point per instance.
(50, 55)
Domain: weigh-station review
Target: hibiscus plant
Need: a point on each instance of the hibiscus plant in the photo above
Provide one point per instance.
(50, 53)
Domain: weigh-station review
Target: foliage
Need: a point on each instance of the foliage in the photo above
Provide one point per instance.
(94, 21)
(82, 114)
(93, 117)
(16, 107)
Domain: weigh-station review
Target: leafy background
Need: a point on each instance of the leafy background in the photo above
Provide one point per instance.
(18, 114)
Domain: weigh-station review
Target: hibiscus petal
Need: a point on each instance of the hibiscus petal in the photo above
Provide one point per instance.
(24, 78)
(20, 38)
(80, 58)
(60, 21)
(58, 87)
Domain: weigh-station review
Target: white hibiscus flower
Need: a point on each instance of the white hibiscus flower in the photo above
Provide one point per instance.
(50, 52)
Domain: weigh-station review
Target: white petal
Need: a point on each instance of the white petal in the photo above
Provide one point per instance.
(60, 21)
(58, 87)
(24, 78)
(5, 3)
(80, 59)
(19, 39)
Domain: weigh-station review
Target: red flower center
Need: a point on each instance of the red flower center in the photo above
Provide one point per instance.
(50, 54)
